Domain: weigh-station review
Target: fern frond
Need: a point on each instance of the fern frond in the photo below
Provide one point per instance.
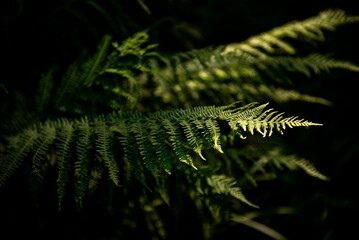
(211, 132)
(293, 162)
(316, 63)
(69, 83)
(214, 132)
(310, 169)
(282, 95)
(19, 148)
(192, 136)
(47, 135)
(310, 29)
(45, 87)
(145, 146)
(175, 137)
(226, 185)
(160, 146)
(151, 138)
(65, 146)
(104, 148)
(256, 119)
(96, 174)
(82, 165)
(236, 70)
(93, 67)
(128, 142)
(132, 45)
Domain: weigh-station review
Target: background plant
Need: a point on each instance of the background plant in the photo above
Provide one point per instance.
(129, 72)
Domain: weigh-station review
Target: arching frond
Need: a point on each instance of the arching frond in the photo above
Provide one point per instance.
(17, 150)
(226, 185)
(155, 136)
(310, 29)
(237, 70)
(293, 162)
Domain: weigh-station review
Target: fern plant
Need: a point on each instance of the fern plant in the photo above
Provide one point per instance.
(110, 118)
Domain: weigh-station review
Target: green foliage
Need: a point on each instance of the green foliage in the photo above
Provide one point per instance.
(106, 117)
(108, 78)
(242, 71)
(184, 129)
(118, 75)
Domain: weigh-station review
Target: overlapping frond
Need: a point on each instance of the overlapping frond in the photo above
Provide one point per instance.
(122, 72)
(154, 141)
(83, 150)
(238, 70)
(113, 70)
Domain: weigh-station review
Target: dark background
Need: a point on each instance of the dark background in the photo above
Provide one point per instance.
(36, 35)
